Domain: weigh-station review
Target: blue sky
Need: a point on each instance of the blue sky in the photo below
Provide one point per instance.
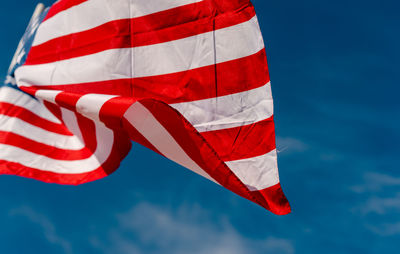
(334, 70)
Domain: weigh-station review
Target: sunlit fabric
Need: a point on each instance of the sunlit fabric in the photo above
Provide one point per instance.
(185, 78)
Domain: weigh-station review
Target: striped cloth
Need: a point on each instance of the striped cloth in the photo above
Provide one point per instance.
(185, 78)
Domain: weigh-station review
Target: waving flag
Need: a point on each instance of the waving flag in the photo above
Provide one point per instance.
(185, 78)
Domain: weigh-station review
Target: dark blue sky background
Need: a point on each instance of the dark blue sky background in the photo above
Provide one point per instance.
(334, 68)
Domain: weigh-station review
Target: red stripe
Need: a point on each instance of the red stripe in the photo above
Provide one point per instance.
(177, 23)
(243, 142)
(274, 199)
(33, 119)
(110, 87)
(112, 112)
(233, 77)
(60, 6)
(52, 152)
(222, 6)
(185, 21)
(88, 130)
(54, 109)
(68, 100)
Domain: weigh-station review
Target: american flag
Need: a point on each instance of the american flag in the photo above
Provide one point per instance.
(185, 78)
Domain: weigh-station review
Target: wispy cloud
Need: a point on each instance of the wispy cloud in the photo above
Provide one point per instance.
(388, 229)
(374, 182)
(288, 145)
(150, 229)
(47, 227)
(381, 206)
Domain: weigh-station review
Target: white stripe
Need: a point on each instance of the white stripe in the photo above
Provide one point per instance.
(257, 173)
(33, 160)
(144, 121)
(198, 51)
(20, 99)
(174, 56)
(71, 122)
(48, 95)
(228, 111)
(238, 41)
(22, 128)
(90, 105)
(141, 8)
(94, 13)
(105, 142)
(107, 65)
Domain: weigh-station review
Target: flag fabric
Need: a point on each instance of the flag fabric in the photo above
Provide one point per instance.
(186, 78)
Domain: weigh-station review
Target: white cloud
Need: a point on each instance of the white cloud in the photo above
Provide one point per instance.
(149, 229)
(381, 206)
(45, 224)
(386, 229)
(374, 182)
(289, 145)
